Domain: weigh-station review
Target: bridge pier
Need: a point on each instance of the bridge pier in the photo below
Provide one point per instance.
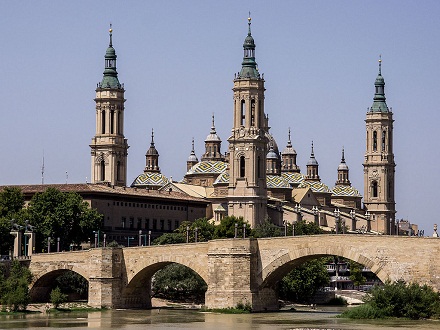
(232, 277)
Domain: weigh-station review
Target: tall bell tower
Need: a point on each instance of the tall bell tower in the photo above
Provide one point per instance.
(247, 192)
(379, 165)
(109, 146)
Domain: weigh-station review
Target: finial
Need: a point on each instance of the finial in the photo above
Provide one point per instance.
(249, 23)
(152, 137)
(343, 156)
(380, 64)
(312, 148)
(289, 135)
(110, 31)
(192, 145)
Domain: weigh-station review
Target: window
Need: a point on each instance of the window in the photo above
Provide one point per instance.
(374, 189)
(154, 224)
(139, 223)
(147, 223)
(162, 224)
(384, 133)
(131, 223)
(243, 112)
(176, 224)
(102, 170)
(103, 122)
(118, 170)
(123, 222)
(112, 121)
(253, 113)
(374, 141)
(259, 167)
(242, 167)
(169, 225)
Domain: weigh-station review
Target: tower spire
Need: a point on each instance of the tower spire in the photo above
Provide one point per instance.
(249, 66)
(110, 79)
(379, 100)
(111, 33)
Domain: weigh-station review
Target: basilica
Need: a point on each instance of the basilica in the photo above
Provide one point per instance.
(253, 178)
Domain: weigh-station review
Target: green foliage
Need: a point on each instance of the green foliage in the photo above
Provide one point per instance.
(179, 283)
(11, 204)
(62, 214)
(205, 230)
(169, 238)
(337, 301)
(364, 311)
(71, 282)
(304, 281)
(246, 306)
(399, 299)
(305, 228)
(113, 244)
(226, 228)
(266, 229)
(15, 289)
(57, 297)
(356, 273)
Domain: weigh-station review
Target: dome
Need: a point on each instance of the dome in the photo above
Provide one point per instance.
(271, 154)
(277, 181)
(288, 150)
(150, 179)
(315, 186)
(152, 151)
(213, 137)
(110, 52)
(293, 178)
(208, 167)
(192, 158)
(272, 143)
(343, 167)
(341, 190)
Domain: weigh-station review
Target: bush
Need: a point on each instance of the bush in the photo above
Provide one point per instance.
(399, 299)
(15, 289)
(57, 297)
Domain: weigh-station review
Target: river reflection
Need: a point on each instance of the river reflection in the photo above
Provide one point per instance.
(191, 319)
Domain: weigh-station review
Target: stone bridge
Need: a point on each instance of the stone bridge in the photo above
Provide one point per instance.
(235, 270)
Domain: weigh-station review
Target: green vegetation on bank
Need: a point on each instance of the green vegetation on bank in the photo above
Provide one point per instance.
(398, 299)
(14, 289)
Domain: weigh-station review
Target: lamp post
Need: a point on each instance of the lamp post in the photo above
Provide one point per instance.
(187, 234)
(316, 214)
(97, 234)
(149, 237)
(337, 214)
(236, 230)
(58, 244)
(285, 228)
(391, 226)
(104, 242)
(297, 209)
(368, 216)
(195, 233)
(343, 226)
(48, 245)
(353, 219)
(96, 240)
(397, 227)
(140, 237)
(244, 231)
(128, 240)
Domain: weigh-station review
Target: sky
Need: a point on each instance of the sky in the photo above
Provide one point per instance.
(177, 61)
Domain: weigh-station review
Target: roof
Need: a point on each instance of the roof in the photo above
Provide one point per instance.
(293, 178)
(89, 188)
(150, 179)
(316, 186)
(208, 167)
(277, 181)
(341, 190)
(188, 189)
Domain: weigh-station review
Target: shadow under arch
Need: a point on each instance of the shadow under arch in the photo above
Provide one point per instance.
(137, 292)
(273, 272)
(41, 286)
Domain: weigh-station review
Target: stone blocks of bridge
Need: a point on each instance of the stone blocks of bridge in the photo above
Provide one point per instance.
(232, 268)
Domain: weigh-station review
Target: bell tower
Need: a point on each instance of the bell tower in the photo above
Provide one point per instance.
(379, 166)
(109, 146)
(247, 192)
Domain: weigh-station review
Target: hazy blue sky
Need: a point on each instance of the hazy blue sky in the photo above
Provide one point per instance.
(177, 60)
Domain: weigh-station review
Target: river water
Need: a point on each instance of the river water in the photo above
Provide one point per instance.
(191, 319)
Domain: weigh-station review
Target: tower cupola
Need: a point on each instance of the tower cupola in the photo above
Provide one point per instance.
(343, 172)
(379, 101)
(110, 79)
(249, 66)
(289, 158)
(192, 159)
(152, 157)
(213, 145)
(312, 167)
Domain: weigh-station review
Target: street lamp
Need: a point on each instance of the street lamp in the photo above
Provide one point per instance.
(104, 243)
(97, 234)
(353, 219)
(285, 228)
(187, 234)
(48, 245)
(244, 231)
(140, 237)
(128, 240)
(236, 230)
(316, 214)
(368, 216)
(391, 226)
(337, 215)
(397, 227)
(149, 237)
(195, 233)
(58, 244)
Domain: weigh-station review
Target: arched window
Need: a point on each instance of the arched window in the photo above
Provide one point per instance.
(102, 170)
(118, 171)
(119, 124)
(103, 122)
(242, 167)
(112, 122)
(253, 113)
(243, 112)
(374, 189)
(259, 167)
(384, 134)
(374, 141)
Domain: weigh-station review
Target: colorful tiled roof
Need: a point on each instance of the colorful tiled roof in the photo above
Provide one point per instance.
(341, 190)
(207, 167)
(277, 181)
(150, 179)
(222, 178)
(293, 178)
(316, 186)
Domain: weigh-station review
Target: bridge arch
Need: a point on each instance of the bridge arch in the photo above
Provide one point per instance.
(278, 267)
(43, 283)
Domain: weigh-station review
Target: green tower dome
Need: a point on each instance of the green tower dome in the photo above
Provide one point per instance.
(110, 79)
(379, 101)
(249, 66)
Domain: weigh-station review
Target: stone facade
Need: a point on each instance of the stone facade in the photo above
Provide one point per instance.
(235, 270)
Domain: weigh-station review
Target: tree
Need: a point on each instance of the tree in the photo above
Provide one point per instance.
(169, 238)
(356, 273)
(226, 228)
(57, 297)
(71, 282)
(62, 214)
(15, 290)
(306, 228)
(205, 230)
(11, 204)
(266, 229)
(178, 282)
(304, 281)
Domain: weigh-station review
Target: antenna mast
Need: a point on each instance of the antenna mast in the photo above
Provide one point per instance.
(42, 171)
